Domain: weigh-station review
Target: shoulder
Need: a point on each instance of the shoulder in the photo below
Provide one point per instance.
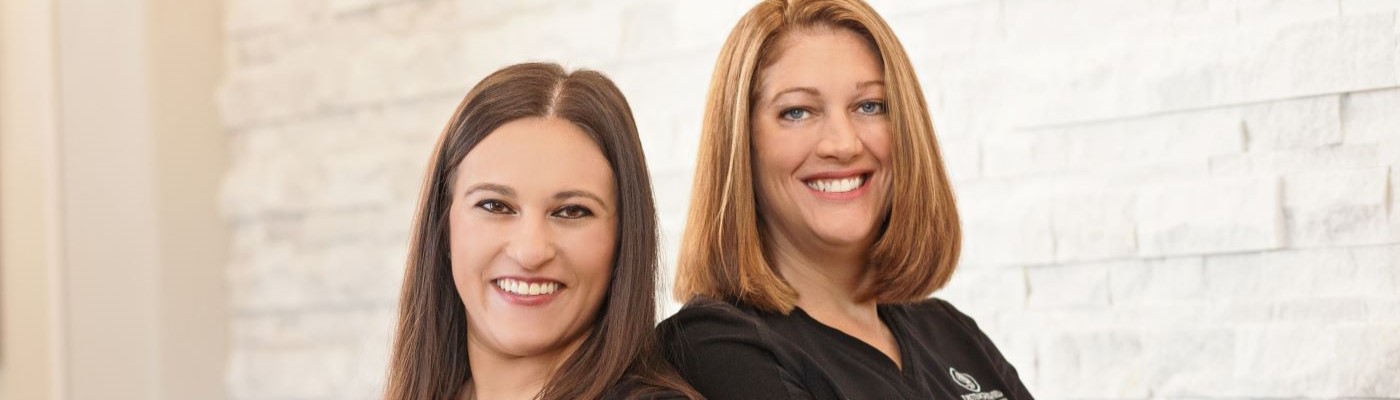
(705, 317)
(932, 308)
(727, 351)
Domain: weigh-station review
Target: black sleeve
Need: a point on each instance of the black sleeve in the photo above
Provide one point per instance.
(1004, 368)
(724, 355)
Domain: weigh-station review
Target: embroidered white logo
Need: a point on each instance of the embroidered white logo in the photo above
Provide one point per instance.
(964, 380)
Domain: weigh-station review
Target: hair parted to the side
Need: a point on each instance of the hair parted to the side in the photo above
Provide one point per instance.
(429, 360)
(722, 252)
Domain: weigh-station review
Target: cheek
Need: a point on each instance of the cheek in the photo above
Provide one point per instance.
(468, 250)
(778, 154)
(878, 139)
(591, 252)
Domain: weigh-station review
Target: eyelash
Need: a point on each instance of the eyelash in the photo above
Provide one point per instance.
(584, 212)
(494, 207)
(572, 211)
(879, 104)
(786, 114)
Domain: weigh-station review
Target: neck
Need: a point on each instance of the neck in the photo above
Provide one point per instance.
(827, 278)
(497, 376)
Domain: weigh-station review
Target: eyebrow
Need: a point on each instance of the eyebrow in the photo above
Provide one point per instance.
(579, 193)
(490, 187)
(865, 84)
(814, 92)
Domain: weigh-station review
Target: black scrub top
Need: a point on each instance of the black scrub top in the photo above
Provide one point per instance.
(730, 351)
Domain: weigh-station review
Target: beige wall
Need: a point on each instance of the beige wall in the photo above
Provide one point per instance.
(113, 248)
(28, 227)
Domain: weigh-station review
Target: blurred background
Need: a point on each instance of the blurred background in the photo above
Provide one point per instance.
(1162, 198)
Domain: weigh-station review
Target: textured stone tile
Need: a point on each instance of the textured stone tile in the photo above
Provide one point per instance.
(1216, 216)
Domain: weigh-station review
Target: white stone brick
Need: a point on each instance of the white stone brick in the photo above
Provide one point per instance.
(425, 64)
(263, 94)
(1337, 208)
(578, 36)
(1083, 20)
(1303, 274)
(1395, 203)
(253, 15)
(291, 273)
(969, 92)
(1001, 228)
(1372, 355)
(1369, 6)
(1215, 216)
(984, 293)
(337, 7)
(1187, 362)
(1252, 13)
(1059, 286)
(896, 8)
(961, 156)
(1125, 144)
(1371, 117)
(956, 27)
(1326, 158)
(1310, 122)
(488, 12)
(1193, 69)
(1284, 360)
(311, 372)
(707, 23)
(1094, 226)
(647, 27)
(1096, 364)
(1157, 281)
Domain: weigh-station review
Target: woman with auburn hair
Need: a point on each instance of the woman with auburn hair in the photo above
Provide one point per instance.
(821, 221)
(532, 268)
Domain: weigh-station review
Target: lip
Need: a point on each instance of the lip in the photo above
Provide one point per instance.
(844, 196)
(836, 174)
(524, 300)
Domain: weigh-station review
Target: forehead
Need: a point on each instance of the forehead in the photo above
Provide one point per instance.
(820, 55)
(539, 156)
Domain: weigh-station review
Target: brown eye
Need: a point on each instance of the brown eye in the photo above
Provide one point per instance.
(494, 207)
(573, 212)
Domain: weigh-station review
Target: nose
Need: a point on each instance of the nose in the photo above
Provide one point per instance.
(531, 244)
(839, 139)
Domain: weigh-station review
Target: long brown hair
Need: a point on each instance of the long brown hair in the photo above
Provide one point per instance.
(721, 254)
(429, 359)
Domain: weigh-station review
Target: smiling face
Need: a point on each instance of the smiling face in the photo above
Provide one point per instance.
(533, 227)
(821, 143)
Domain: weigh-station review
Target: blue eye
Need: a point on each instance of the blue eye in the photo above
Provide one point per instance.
(872, 107)
(494, 207)
(794, 114)
(573, 212)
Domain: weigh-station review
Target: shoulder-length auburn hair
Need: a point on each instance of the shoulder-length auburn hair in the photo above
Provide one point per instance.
(722, 252)
(429, 358)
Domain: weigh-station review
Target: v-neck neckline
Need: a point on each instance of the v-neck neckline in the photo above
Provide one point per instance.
(903, 369)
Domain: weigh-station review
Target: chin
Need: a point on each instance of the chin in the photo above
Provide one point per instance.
(844, 234)
(844, 230)
(518, 345)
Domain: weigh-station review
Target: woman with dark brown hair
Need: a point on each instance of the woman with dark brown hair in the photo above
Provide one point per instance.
(532, 268)
(821, 221)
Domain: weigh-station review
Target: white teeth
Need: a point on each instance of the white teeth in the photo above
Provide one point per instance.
(525, 288)
(836, 185)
